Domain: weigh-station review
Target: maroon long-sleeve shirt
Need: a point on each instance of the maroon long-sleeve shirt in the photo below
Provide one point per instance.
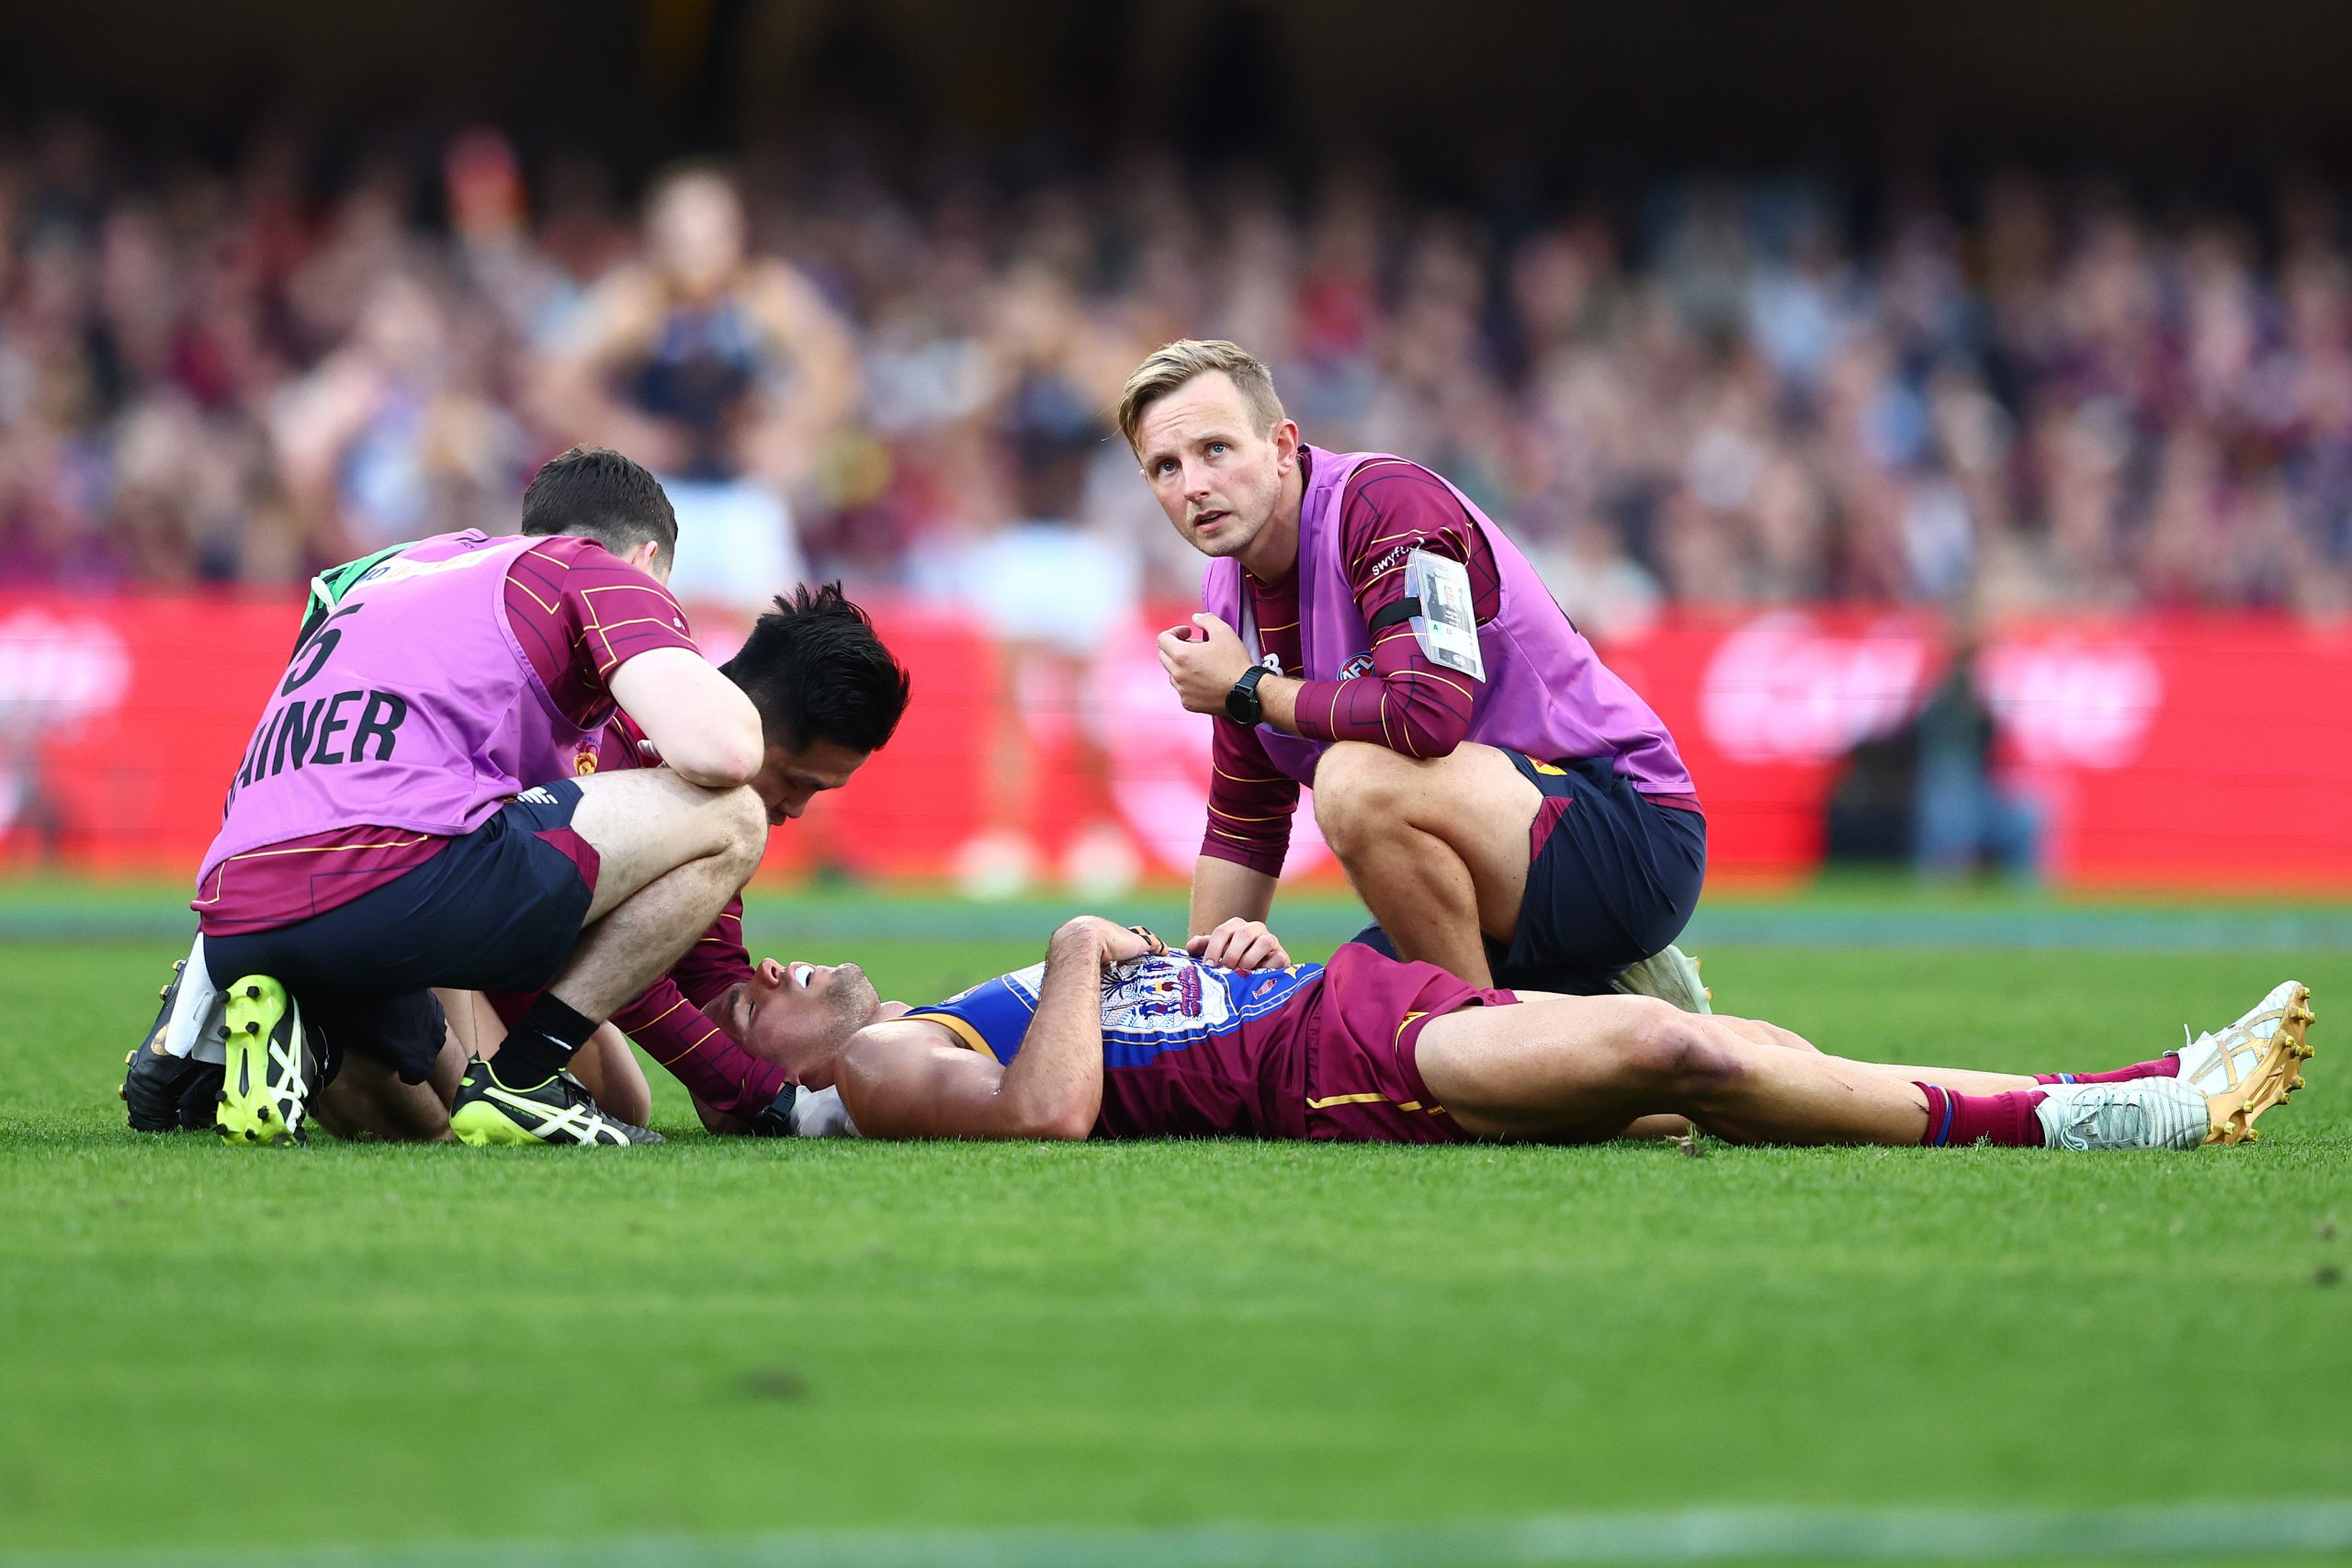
(1405, 702)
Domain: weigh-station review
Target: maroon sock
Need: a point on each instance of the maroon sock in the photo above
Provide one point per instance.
(1956, 1121)
(2164, 1066)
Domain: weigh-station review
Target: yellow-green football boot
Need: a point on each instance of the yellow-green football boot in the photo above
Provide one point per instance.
(266, 1090)
(559, 1111)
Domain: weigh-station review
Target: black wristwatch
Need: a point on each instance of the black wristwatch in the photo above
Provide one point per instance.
(1241, 704)
(774, 1119)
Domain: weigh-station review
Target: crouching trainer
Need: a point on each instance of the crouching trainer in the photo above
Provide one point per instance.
(1505, 805)
(829, 693)
(408, 814)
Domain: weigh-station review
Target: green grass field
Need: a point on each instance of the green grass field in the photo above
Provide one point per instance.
(386, 1348)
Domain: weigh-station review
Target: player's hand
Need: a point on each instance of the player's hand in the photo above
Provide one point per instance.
(1239, 944)
(1115, 943)
(1203, 672)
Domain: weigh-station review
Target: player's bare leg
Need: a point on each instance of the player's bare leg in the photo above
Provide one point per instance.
(1658, 1128)
(1960, 1079)
(1567, 1064)
(1757, 1032)
(1963, 1080)
(1435, 847)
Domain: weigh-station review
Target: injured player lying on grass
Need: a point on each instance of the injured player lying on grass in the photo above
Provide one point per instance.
(1112, 1036)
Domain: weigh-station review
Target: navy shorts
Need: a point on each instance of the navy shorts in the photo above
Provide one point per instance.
(1611, 878)
(498, 909)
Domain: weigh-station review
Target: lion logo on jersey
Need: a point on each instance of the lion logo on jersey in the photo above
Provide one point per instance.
(1156, 992)
(584, 759)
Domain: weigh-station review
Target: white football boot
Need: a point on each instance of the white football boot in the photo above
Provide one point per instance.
(1671, 975)
(2254, 1064)
(2141, 1113)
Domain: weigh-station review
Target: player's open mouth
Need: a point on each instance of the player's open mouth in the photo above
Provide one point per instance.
(1208, 520)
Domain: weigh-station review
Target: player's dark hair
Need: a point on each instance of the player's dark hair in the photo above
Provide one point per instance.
(817, 671)
(596, 493)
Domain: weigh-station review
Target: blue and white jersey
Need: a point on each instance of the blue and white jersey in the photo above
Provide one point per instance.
(1150, 1006)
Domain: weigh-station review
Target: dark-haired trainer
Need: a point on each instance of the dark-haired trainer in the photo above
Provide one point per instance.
(829, 695)
(408, 815)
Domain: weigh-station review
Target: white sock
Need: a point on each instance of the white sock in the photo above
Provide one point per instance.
(187, 1032)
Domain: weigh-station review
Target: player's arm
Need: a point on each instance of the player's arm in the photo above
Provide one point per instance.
(706, 729)
(1225, 891)
(1239, 944)
(1252, 804)
(897, 1080)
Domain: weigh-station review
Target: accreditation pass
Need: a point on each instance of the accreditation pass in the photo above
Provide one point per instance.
(1447, 628)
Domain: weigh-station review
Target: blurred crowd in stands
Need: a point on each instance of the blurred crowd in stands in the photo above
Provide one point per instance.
(2031, 394)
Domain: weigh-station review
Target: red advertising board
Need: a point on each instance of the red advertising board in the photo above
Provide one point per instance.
(2195, 752)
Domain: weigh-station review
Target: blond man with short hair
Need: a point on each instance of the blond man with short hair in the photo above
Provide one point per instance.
(1506, 807)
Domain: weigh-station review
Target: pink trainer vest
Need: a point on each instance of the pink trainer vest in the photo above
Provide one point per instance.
(1547, 694)
(413, 706)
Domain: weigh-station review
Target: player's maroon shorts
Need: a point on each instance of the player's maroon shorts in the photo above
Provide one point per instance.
(1363, 1084)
